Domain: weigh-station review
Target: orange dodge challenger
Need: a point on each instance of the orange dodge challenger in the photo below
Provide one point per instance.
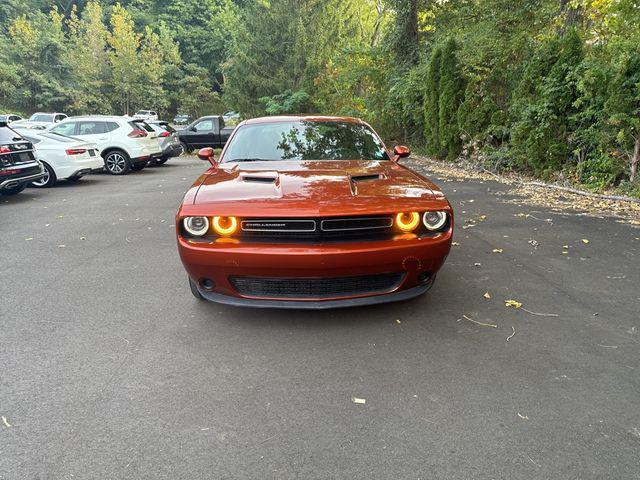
(311, 212)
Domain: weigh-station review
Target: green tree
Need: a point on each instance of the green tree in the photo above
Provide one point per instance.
(451, 92)
(123, 58)
(432, 103)
(88, 61)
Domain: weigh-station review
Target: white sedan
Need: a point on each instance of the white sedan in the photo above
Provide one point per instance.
(62, 157)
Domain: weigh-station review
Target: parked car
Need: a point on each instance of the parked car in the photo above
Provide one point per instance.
(168, 141)
(229, 114)
(18, 164)
(206, 131)
(10, 118)
(182, 119)
(311, 212)
(63, 158)
(42, 120)
(145, 115)
(124, 144)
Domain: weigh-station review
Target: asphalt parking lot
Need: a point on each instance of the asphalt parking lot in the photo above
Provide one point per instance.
(110, 369)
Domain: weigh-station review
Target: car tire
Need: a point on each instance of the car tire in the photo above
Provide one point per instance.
(194, 290)
(185, 148)
(49, 179)
(116, 162)
(161, 161)
(136, 167)
(13, 190)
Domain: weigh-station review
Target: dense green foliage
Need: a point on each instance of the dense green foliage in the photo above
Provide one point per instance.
(549, 87)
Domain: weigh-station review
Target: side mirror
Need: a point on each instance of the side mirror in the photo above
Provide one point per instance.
(400, 151)
(193, 129)
(206, 153)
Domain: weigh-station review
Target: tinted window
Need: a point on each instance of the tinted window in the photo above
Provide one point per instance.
(91, 128)
(65, 128)
(111, 126)
(60, 117)
(145, 125)
(204, 126)
(302, 140)
(167, 127)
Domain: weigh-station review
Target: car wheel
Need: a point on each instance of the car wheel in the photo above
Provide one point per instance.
(194, 290)
(49, 179)
(185, 148)
(161, 161)
(13, 190)
(136, 167)
(117, 163)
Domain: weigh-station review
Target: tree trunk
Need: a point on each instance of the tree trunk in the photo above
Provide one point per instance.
(572, 16)
(635, 160)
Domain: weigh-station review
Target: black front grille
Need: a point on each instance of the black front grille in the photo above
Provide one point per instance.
(315, 288)
(376, 227)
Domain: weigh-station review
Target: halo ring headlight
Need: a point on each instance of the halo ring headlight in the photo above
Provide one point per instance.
(196, 226)
(408, 221)
(434, 220)
(225, 226)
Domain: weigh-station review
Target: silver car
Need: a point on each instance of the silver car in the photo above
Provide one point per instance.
(168, 141)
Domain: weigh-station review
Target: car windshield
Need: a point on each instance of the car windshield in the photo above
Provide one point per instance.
(41, 117)
(305, 140)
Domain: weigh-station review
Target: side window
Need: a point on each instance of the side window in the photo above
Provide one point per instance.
(59, 118)
(111, 126)
(92, 128)
(154, 113)
(67, 128)
(204, 126)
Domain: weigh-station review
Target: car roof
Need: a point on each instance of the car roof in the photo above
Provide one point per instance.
(302, 118)
(98, 117)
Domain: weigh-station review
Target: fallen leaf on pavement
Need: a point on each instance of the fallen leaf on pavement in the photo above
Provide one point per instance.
(398, 321)
(455, 244)
(512, 303)
(487, 295)
(361, 401)
(497, 250)
(6, 423)
(585, 241)
(28, 239)
(477, 264)
(513, 334)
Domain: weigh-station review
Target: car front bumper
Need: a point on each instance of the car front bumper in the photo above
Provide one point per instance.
(415, 260)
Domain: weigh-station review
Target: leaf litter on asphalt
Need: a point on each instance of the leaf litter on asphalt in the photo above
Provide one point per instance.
(518, 306)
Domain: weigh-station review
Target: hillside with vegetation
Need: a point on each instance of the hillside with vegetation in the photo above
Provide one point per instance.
(550, 88)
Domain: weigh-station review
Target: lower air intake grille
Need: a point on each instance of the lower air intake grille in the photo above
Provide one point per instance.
(310, 288)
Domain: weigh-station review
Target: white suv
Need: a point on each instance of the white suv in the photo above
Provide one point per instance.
(123, 144)
(149, 115)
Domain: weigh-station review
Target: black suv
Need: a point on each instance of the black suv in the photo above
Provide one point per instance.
(18, 165)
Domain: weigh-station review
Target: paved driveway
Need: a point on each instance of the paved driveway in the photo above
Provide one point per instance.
(110, 369)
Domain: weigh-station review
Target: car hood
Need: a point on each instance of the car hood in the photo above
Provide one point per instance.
(315, 187)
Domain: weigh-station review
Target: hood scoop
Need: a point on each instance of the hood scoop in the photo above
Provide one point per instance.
(259, 177)
(367, 177)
